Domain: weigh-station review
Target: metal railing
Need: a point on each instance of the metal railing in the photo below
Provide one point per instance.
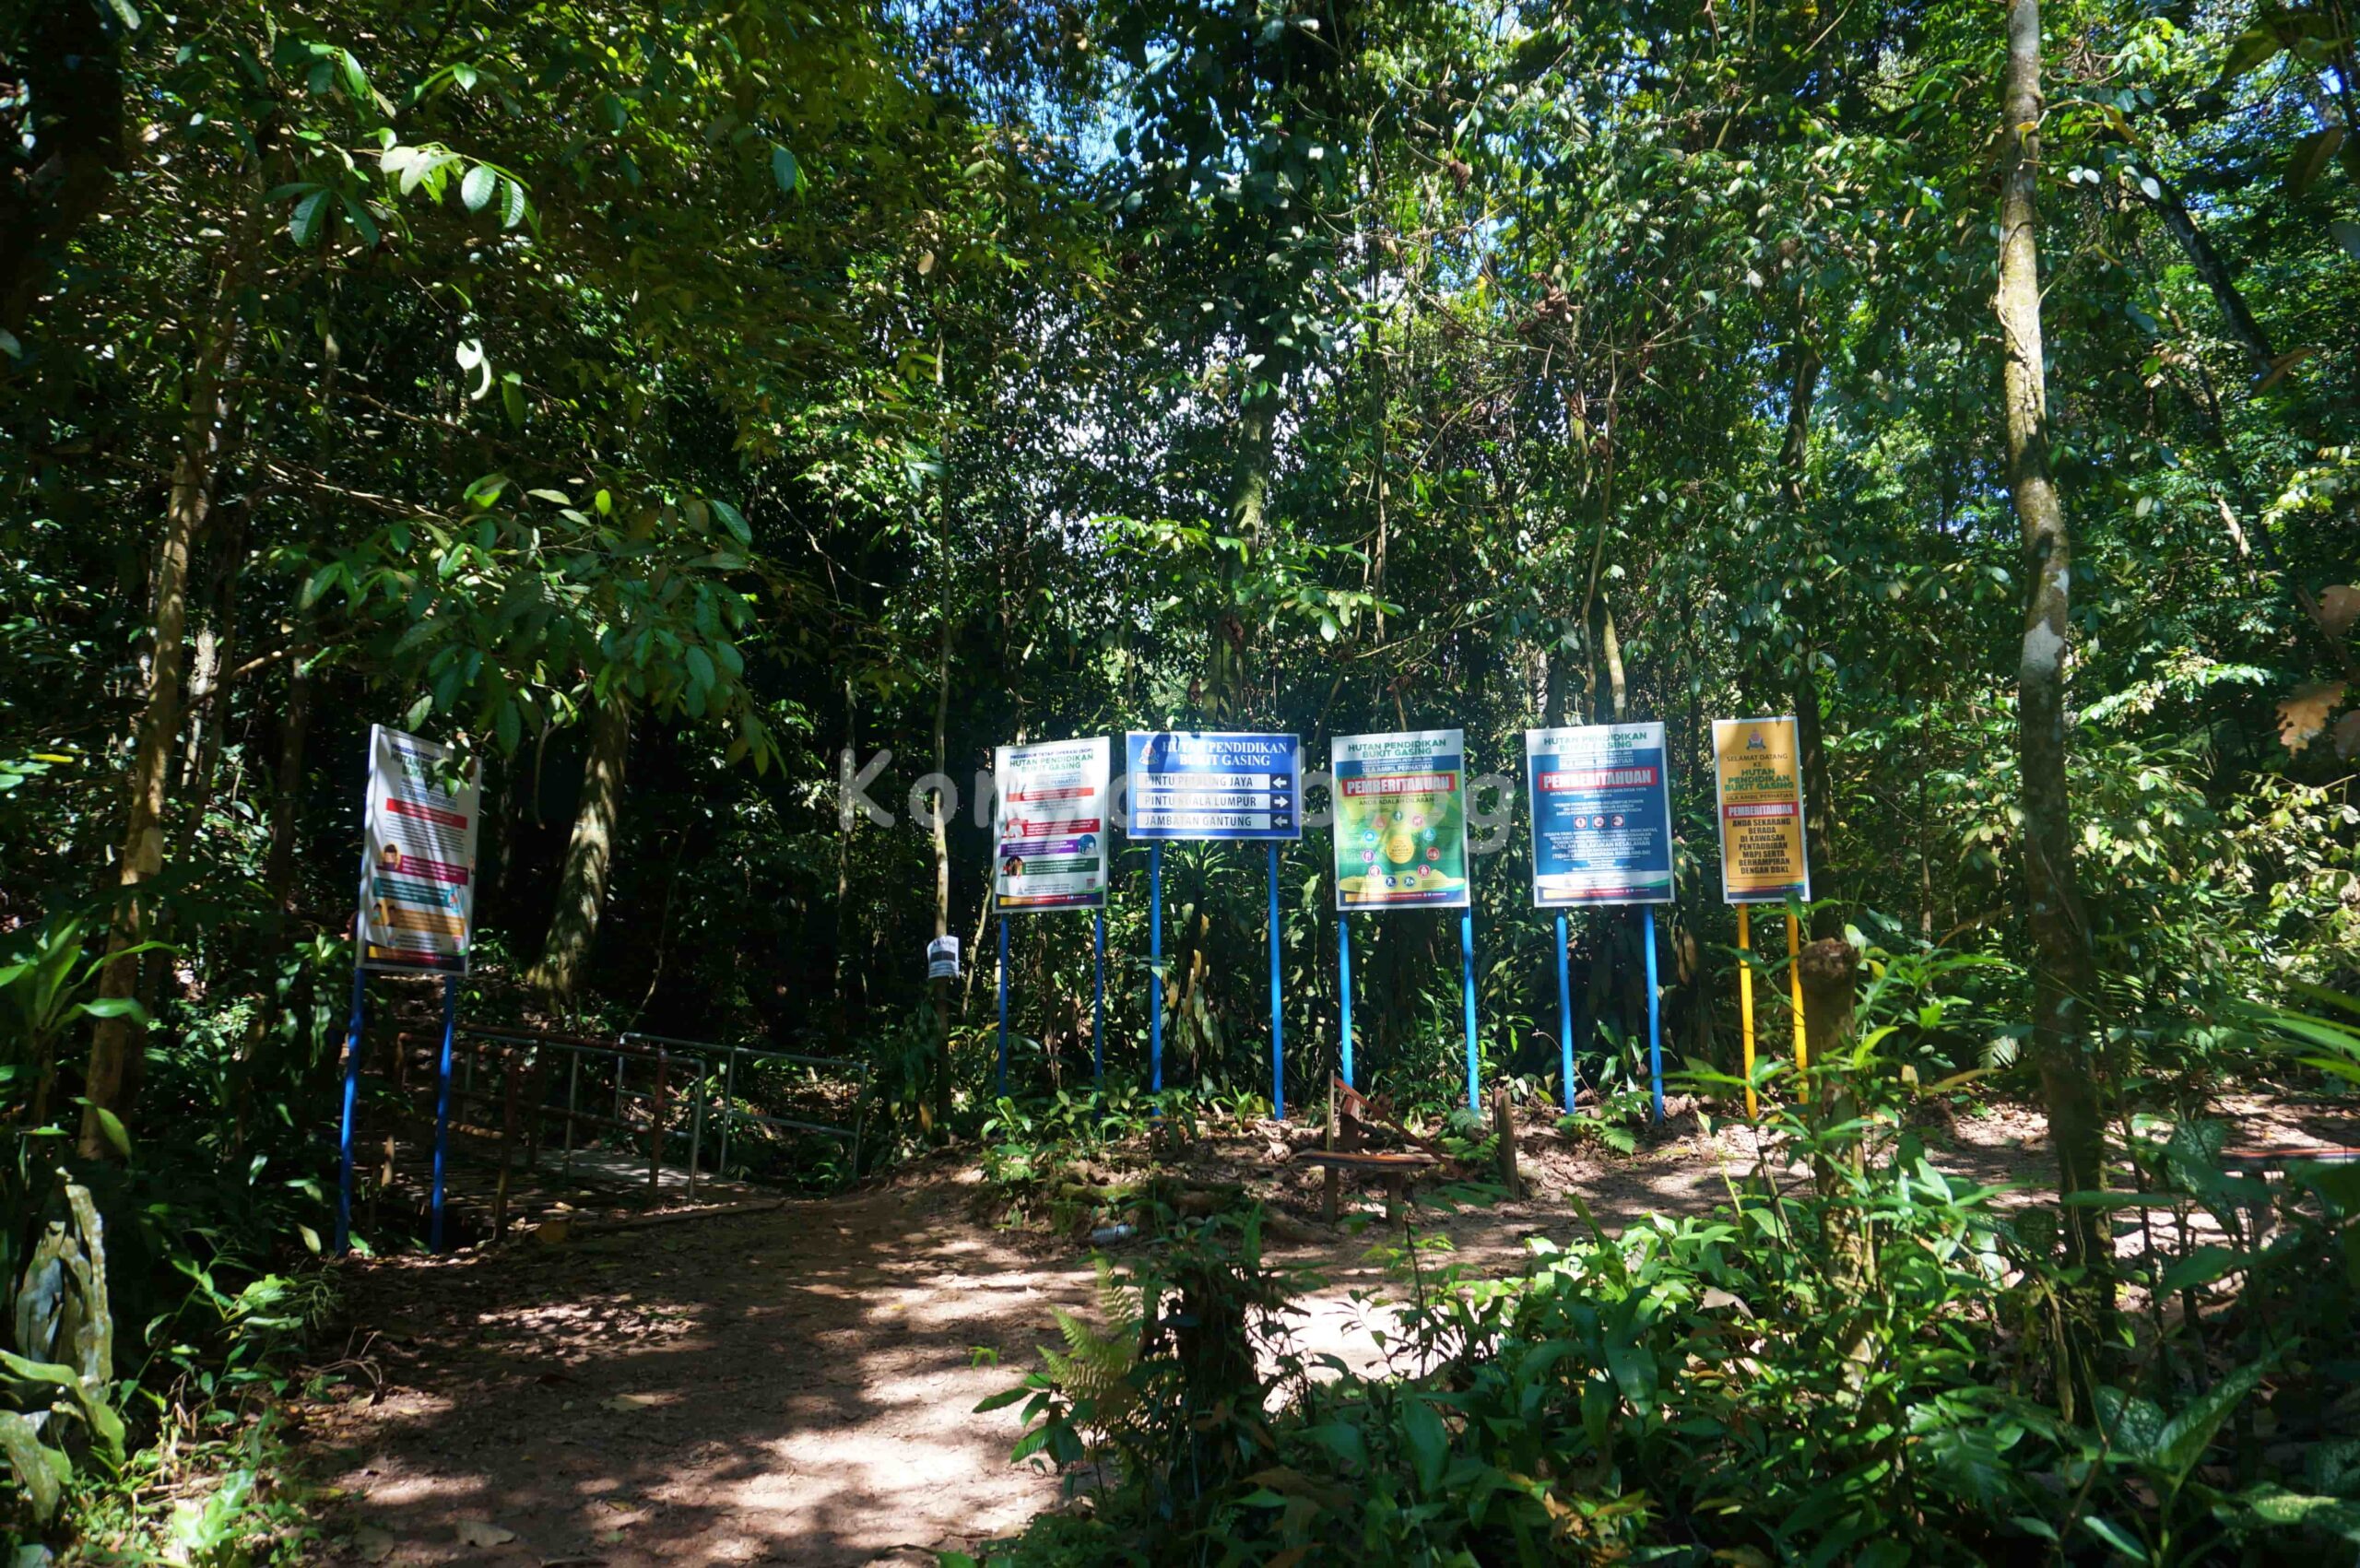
(660, 1063)
(731, 1115)
(521, 1090)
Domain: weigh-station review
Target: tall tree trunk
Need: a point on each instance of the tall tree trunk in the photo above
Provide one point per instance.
(285, 798)
(216, 659)
(1249, 494)
(940, 829)
(2063, 971)
(111, 1075)
(1810, 734)
(839, 1015)
(2209, 266)
(589, 856)
(1617, 704)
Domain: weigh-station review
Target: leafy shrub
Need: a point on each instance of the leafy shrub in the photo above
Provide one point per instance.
(1859, 1359)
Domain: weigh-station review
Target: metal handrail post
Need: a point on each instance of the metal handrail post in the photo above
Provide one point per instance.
(696, 1134)
(573, 1103)
(728, 1107)
(859, 1124)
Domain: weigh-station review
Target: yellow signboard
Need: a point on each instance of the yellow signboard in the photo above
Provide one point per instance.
(1757, 776)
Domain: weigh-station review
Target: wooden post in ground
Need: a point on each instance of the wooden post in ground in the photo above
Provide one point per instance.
(1330, 1182)
(507, 1142)
(1504, 1125)
(1827, 971)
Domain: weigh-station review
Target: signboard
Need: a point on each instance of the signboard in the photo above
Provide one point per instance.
(1757, 780)
(1186, 785)
(1049, 826)
(942, 958)
(418, 857)
(1401, 819)
(1601, 815)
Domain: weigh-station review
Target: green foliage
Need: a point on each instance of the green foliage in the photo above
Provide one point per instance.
(816, 378)
(1862, 1366)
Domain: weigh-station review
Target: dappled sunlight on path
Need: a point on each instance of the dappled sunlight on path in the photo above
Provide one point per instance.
(799, 1384)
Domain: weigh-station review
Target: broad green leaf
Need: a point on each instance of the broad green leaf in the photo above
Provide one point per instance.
(2183, 1441)
(477, 189)
(116, 1007)
(2201, 1268)
(1429, 1440)
(784, 170)
(118, 1137)
(40, 1477)
(733, 520)
(358, 216)
(304, 225)
(2115, 1536)
(2255, 48)
(2310, 157)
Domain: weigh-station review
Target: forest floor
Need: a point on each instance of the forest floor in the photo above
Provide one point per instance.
(797, 1386)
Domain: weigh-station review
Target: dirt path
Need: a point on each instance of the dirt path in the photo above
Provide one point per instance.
(797, 1386)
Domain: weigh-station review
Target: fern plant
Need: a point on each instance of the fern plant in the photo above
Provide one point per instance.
(1085, 1399)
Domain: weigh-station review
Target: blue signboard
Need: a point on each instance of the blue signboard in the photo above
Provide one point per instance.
(1186, 785)
(1601, 815)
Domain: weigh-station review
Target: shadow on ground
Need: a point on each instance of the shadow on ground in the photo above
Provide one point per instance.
(799, 1384)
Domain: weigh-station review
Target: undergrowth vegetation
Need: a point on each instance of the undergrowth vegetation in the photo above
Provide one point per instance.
(1856, 1358)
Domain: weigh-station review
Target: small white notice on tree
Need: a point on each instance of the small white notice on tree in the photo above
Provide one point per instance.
(942, 958)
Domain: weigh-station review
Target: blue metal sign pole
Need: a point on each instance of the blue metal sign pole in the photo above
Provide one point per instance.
(442, 1106)
(1565, 1012)
(351, 1100)
(1277, 1021)
(1344, 989)
(1155, 968)
(1098, 998)
(1655, 1017)
(1003, 1005)
(1467, 971)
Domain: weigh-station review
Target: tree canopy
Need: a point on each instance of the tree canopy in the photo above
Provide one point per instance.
(679, 408)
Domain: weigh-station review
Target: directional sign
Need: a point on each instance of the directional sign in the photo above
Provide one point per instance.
(1759, 788)
(1401, 819)
(1187, 786)
(1049, 828)
(1601, 815)
(418, 857)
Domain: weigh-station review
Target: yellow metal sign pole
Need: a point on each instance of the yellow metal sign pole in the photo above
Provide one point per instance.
(1795, 989)
(1745, 996)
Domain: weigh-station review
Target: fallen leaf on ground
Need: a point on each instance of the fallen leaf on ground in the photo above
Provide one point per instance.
(635, 1401)
(373, 1544)
(479, 1532)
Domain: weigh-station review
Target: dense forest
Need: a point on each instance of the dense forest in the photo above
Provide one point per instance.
(727, 422)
